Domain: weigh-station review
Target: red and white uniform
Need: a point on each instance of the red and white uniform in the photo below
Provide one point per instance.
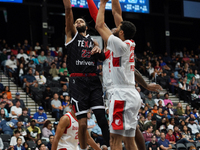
(69, 139)
(126, 100)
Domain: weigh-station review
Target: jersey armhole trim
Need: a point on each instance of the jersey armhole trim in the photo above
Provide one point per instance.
(73, 117)
(70, 121)
(72, 39)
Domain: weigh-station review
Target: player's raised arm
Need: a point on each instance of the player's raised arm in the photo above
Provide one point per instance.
(92, 9)
(100, 26)
(142, 82)
(117, 12)
(63, 123)
(69, 21)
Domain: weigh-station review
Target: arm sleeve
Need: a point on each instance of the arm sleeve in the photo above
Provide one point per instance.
(116, 45)
(92, 9)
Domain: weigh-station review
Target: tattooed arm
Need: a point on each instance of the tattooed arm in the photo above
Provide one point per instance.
(150, 87)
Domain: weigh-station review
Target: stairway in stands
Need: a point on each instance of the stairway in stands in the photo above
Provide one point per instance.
(173, 98)
(30, 102)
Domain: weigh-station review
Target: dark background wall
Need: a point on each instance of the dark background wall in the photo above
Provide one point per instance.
(25, 22)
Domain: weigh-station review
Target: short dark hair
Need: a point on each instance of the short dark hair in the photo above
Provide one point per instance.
(149, 126)
(24, 109)
(166, 94)
(50, 136)
(41, 145)
(19, 138)
(129, 29)
(153, 118)
(17, 131)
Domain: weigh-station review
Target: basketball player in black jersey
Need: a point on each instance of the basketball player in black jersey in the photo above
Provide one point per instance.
(85, 86)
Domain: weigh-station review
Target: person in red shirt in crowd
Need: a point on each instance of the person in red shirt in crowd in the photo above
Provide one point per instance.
(148, 134)
(170, 137)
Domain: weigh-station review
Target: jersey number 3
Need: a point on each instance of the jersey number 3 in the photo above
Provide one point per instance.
(86, 53)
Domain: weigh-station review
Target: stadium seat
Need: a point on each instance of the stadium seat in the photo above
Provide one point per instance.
(6, 145)
(197, 145)
(31, 144)
(6, 138)
(180, 146)
(173, 146)
(188, 145)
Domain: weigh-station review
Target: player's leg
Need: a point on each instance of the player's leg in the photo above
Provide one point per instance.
(103, 124)
(81, 132)
(139, 139)
(130, 143)
(115, 141)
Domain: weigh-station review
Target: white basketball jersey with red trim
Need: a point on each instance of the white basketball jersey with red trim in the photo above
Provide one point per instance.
(107, 63)
(69, 139)
(123, 64)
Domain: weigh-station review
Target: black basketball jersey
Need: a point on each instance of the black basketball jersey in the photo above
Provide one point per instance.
(79, 58)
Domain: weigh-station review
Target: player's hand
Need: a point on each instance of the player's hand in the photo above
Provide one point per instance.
(95, 50)
(154, 87)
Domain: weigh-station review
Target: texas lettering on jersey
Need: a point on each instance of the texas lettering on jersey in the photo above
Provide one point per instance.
(85, 44)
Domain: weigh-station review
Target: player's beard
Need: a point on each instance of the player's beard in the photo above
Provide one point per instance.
(81, 29)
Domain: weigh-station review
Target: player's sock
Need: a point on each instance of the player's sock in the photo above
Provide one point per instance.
(103, 124)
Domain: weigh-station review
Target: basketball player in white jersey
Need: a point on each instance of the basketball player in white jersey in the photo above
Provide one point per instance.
(66, 137)
(126, 100)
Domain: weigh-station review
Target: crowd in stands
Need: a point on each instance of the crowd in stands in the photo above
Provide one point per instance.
(42, 73)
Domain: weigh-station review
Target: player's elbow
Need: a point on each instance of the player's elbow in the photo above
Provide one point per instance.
(98, 26)
(68, 9)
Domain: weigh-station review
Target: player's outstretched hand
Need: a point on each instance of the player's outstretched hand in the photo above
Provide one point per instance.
(154, 87)
(96, 49)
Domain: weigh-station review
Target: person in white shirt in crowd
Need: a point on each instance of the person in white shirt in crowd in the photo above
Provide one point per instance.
(148, 119)
(195, 128)
(13, 140)
(40, 78)
(150, 70)
(11, 65)
(157, 99)
(16, 110)
(22, 54)
(183, 85)
(37, 46)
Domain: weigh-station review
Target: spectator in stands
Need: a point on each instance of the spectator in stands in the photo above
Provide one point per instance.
(17, 98)
(7, 103)
(158, 69)
(171, 124)
(40, 117)
(170, 137)
(187, 110)
(54, 72)
(63, 93)
(2, 105)
(47, 97)
(157, 134)
(167, 100)
(8, 125)
(164, 65)
(148, 119)
(2, 114)
(20, 129)
(3, 58)
(166, 114)
(38, 143)
(150, 102)
(16, 110)
(42, 59)
(55, 124)
(158, 99)
(11, 65)
(142, 95)
(33, 132)
(42, 147)
(64, 80)
(56, 106)
(26, 146)
(25, 118)
(151, 123)
(66, 105)
(64, 68)
(90, 123)
(29, 80)
(97, 134)
(154, 110)
(14, 138)
(32, 65)
(194, 112)
(51, 138)
(173, 84)
(26, 45)
(22, 54)
(147, 134)
(50, 58)
(19, 146)
(32, 57)
(196, 75)
(153, 145)
(178, 136)
(186, 134)
(179, 109)
(7, 91)
(194, 96)
(164, 143)
(21, 71)
(193, 126)
(141, 123)
(150, 71)
(190, 75)
(37, 46)
(41, 80)
(177, 119)
(170, 109)
(57, 63)
(46, 130)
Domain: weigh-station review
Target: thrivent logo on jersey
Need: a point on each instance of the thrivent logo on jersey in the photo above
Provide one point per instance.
(118, 122)
(74, 128)
(84, 63)
(86, 44)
